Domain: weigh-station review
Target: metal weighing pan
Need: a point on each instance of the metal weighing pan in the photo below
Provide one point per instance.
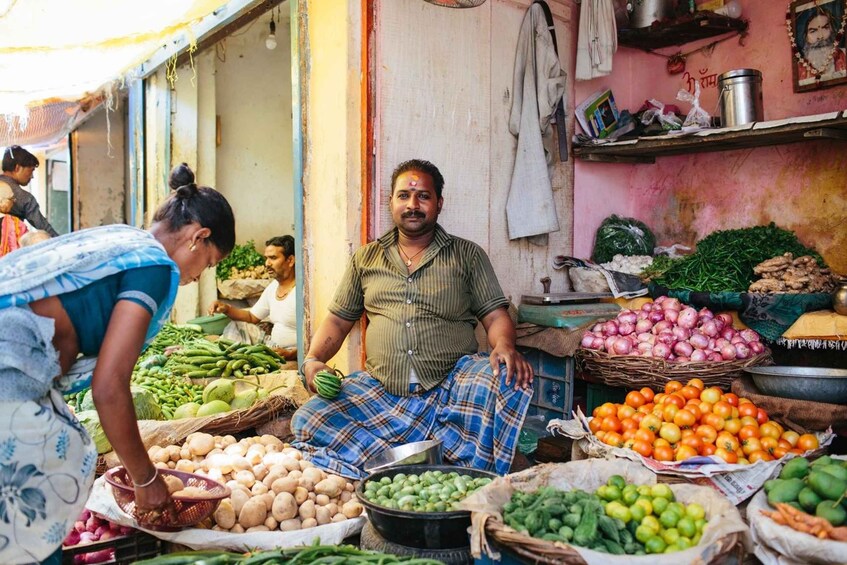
(802, 383)
(416, 453)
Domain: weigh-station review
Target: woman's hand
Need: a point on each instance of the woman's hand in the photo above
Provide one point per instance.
(153, 503)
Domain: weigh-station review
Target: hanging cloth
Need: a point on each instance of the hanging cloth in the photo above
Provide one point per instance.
(11, 231)
(538, 86)
(598, 39)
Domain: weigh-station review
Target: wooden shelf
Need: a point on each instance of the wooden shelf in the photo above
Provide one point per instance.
(646, 149)
(682, 30)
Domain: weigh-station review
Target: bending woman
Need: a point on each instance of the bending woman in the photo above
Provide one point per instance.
(103, 292)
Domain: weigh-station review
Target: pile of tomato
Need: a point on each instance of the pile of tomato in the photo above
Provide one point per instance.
(688, 420)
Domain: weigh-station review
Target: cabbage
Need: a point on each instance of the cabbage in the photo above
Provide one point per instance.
(87, 402)
(146, 405)
(91, 422)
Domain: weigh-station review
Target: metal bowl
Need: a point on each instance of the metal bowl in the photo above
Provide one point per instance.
(416, 453)
(428, 530)
(802, 383)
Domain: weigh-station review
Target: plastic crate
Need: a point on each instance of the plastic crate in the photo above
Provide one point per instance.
(552, 386)
(598, 394)
(127, 549)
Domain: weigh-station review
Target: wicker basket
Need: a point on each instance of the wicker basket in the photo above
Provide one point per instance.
(189, 510)
(632, 371)
(536, 550)
(227, 423)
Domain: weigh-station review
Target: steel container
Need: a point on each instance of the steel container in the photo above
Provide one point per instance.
(740, 95)
(802, 383)
(415, 453)
(428, 530)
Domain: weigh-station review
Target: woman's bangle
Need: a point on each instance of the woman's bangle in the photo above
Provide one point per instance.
(148, 483)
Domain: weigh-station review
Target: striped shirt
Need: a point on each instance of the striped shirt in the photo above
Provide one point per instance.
(422, 320)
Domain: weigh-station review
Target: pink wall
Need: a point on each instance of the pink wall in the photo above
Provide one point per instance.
(802, 187)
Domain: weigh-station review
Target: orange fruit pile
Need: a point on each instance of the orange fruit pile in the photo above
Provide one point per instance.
(689, 420)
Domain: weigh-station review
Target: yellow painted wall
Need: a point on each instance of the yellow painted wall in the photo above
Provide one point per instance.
(331, 73)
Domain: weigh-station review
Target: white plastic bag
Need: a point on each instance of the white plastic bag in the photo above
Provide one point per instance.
(697, 116)
(668, 121)
(674, 251)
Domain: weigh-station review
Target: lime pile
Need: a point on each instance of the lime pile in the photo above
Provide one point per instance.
(652, 513)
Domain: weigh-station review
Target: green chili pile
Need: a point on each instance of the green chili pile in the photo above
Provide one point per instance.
(724, 259)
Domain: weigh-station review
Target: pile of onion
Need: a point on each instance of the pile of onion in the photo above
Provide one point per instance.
(675, 332)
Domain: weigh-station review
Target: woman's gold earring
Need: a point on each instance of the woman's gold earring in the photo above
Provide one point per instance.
(193, 247)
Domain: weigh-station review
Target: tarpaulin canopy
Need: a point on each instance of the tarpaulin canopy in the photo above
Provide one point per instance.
(57, 56)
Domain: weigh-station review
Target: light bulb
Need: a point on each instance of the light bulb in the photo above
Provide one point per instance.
(270, 42)
(732, 9)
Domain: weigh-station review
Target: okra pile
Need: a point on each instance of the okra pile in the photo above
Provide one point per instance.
(203, 359)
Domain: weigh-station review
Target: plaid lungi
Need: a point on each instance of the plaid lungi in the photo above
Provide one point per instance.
(474, 414)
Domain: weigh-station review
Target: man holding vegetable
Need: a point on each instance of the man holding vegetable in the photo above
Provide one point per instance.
(277, 304)
(423, 291)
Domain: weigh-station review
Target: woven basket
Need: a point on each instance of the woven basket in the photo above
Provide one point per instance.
(632, 371)
(228, 422)
(536, 550)
(188, 510)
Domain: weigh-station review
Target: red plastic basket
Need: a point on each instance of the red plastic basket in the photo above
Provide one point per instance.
(189, 510)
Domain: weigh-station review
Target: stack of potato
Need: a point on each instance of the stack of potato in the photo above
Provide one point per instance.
(273, 487)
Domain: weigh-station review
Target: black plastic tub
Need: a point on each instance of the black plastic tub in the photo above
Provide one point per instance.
(427, 530)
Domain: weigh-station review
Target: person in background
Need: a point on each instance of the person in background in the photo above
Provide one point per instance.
(103, 293)
(12, 228)
(33, 237)
(277, 304)
(18, 166)
(423, 291)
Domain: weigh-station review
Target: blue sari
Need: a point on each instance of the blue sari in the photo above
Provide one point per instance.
(47, 460)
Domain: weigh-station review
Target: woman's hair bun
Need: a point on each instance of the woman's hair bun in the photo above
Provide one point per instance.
(186, 191)
(180, 176)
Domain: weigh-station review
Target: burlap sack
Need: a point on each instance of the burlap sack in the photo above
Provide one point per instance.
(799, 415)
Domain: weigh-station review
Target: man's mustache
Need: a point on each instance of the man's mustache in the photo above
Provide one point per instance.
(413, 214)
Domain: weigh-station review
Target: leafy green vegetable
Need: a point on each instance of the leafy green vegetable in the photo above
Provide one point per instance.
(724, 259)
(144, 401)
(660, 264)
(626, 236)
(242, 257)
(91, 422)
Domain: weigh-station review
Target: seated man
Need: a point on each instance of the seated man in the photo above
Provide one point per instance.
(423, 291)
(277, 305)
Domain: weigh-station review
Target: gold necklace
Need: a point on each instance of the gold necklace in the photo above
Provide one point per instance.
(406, 255)
(284, 294)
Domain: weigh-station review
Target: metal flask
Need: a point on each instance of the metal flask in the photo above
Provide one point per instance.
(740, 97)
(839, 299)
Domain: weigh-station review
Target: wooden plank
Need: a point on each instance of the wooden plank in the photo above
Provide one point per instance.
(727, 141)
(433, 102)
(688, 28)
(443, 92)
